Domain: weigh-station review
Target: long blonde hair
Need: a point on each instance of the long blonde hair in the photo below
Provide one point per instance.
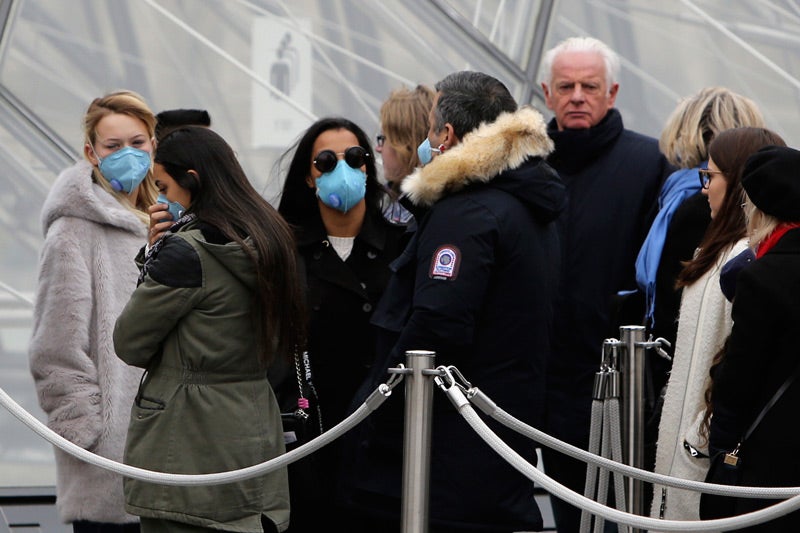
(404, 119)
(698, 119)
(131, 104)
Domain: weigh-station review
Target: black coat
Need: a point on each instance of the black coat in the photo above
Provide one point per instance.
(762, 352)
(612, 177)
(489, 315)
(341, 297)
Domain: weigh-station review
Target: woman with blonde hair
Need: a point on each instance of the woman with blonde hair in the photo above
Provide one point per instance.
(404, 121)
(95, 220)
(683, 212)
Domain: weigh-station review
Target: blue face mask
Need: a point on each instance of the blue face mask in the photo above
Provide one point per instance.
(175, 209)
(343, 187)
(125, 169)
(425, 151)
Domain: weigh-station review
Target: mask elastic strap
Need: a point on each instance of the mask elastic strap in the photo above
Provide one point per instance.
(99, 159)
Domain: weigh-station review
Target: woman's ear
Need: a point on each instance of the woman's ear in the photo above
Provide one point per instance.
(90, 155)
(310, 182)
(194, 185)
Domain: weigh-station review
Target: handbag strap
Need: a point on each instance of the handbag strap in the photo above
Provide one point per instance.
(302, 401)
(304, 377)
(771, 403)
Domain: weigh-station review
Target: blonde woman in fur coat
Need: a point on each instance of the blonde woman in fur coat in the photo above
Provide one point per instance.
(95, 220)
(704, 321)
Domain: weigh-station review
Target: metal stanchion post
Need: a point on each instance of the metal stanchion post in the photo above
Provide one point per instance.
(632, 373)
(417, 441)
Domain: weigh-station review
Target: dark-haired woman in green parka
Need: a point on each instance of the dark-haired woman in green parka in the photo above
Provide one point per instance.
(218, 300)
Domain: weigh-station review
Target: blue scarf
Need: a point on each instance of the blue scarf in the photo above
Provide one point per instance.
(678, 186)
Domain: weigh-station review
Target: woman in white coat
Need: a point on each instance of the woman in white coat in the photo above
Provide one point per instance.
(704, 321)
(95, 220)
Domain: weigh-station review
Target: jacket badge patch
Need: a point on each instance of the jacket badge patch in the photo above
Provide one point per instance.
(445, 262)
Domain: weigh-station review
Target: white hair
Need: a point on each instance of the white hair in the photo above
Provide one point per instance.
(582, 44)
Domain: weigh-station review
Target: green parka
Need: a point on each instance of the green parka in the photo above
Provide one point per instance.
(204, 404)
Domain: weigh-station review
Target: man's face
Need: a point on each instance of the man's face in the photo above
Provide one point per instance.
(579, 95)
(442, 139)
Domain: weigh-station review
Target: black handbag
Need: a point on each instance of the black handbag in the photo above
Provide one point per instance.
(726, 467)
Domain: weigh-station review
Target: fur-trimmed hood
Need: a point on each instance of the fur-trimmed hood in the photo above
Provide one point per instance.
(74, 194)
(492, 154)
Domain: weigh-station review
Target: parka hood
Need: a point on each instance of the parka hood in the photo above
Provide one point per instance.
(234, 258)
(74, 194)
(506, 154)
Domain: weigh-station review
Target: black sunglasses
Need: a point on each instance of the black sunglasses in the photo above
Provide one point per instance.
(326, 160)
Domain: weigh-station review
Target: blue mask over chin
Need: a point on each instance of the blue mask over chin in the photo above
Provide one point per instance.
(343, 187)
(125, 169)
(175, 209)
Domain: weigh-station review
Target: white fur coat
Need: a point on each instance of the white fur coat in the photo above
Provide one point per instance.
(703, 325)
(86, 275)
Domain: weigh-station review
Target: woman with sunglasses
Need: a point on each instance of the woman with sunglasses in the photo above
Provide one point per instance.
(333, 200)
(704, 320)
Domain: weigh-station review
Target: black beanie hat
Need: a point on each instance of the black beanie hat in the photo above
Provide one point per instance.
(171, 119)
(771, 179)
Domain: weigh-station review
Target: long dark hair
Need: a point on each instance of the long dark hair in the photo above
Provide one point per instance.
(223, 197)
(298, 203)
(729, 150)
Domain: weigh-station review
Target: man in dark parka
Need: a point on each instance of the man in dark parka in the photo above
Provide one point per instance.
(475, 285)
(612, 176)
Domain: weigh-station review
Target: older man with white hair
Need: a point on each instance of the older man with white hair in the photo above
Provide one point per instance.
(612, 177)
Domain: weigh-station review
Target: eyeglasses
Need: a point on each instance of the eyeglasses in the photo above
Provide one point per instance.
(326, 160)
(379, 140)
(706, 175)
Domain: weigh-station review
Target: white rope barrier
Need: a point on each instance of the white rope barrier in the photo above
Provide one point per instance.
(457, 396)
(487, 406)
(373, 402)
(463, 406)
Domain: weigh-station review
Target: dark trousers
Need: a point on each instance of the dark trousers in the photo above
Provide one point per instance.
(569, 472)
(84, 526)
